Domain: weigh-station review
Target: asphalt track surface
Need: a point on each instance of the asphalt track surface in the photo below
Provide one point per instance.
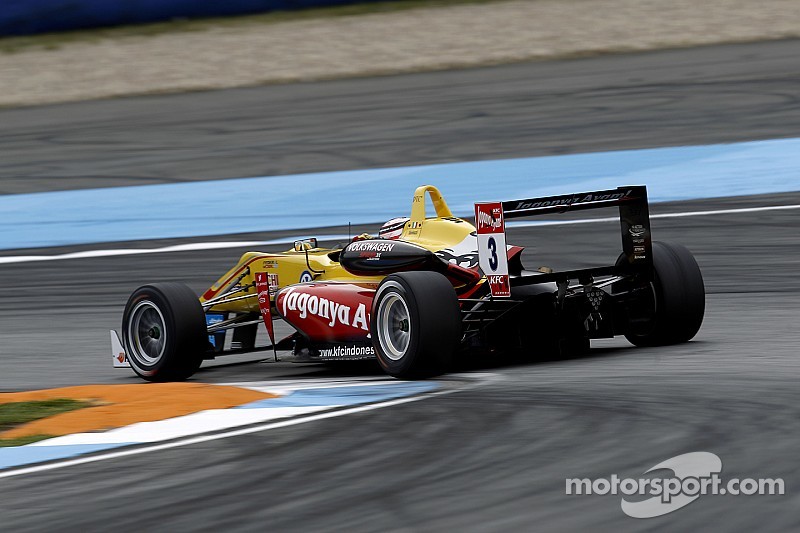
(669, 98)
(493, 457)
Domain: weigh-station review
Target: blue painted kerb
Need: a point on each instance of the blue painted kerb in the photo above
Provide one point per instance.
(303, 201)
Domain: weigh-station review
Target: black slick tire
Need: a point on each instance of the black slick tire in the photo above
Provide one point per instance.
(415, 324)
(679, 298)
(164, 332)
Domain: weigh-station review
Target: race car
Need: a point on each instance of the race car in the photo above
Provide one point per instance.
(423, 292)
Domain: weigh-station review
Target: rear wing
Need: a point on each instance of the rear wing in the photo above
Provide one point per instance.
(634, 218)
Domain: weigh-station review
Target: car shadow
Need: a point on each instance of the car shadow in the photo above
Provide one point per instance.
(290, 368)
(499, 361)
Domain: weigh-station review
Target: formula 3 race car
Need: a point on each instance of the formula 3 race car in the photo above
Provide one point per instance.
(424, 292)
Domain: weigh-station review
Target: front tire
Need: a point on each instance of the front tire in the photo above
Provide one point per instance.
(679, 296)
(164, 332)
(415, 324)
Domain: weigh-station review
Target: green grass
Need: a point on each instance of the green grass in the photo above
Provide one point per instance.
(52, 41)
(18, 413)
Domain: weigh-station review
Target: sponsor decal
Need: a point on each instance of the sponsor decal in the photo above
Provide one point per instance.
(489, 219)
(416, 225)
(492, 251)
(274, 285)
(463, 254)
(499, 285)
(467, 260)
(264, 290)
(637, 230)
(569, 200)
(269, 263)
(306, 277)
(371, 246)
(121, 357)
(347, 351)
(305, 304)
(211, 319)
(418, 199)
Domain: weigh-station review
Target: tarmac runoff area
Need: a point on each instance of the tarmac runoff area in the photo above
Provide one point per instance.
(242, 52)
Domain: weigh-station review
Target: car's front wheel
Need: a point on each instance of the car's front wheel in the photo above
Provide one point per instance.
(164, 332)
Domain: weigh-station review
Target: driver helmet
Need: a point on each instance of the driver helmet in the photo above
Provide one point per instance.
(393, 228)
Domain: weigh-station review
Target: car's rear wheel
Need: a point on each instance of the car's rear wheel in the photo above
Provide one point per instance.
(415, 324)
(676, 301)
(164, 332)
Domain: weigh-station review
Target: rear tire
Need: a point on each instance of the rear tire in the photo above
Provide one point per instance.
(679, 297)
(164, 332)
(415, 324)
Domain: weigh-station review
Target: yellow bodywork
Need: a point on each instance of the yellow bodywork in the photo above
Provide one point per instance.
(298, 265)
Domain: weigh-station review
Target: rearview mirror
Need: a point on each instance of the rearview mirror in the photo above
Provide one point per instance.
(305, 244)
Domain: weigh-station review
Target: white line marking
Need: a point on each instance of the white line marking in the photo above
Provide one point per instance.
(660, 215)
(284, 387)
(241, 244)
(190, 247)
(182, 427)
(233, 433)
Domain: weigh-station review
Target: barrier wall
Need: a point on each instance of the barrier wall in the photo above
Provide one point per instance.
(21, 17)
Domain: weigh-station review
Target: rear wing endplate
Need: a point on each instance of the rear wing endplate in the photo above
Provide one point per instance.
(634, 218)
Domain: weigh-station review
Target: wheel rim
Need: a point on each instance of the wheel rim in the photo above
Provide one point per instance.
(394, 331)
(147, 333)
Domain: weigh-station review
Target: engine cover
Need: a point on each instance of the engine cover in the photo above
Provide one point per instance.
(379, 257)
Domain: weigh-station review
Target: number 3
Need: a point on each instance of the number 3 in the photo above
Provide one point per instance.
(493, 248)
